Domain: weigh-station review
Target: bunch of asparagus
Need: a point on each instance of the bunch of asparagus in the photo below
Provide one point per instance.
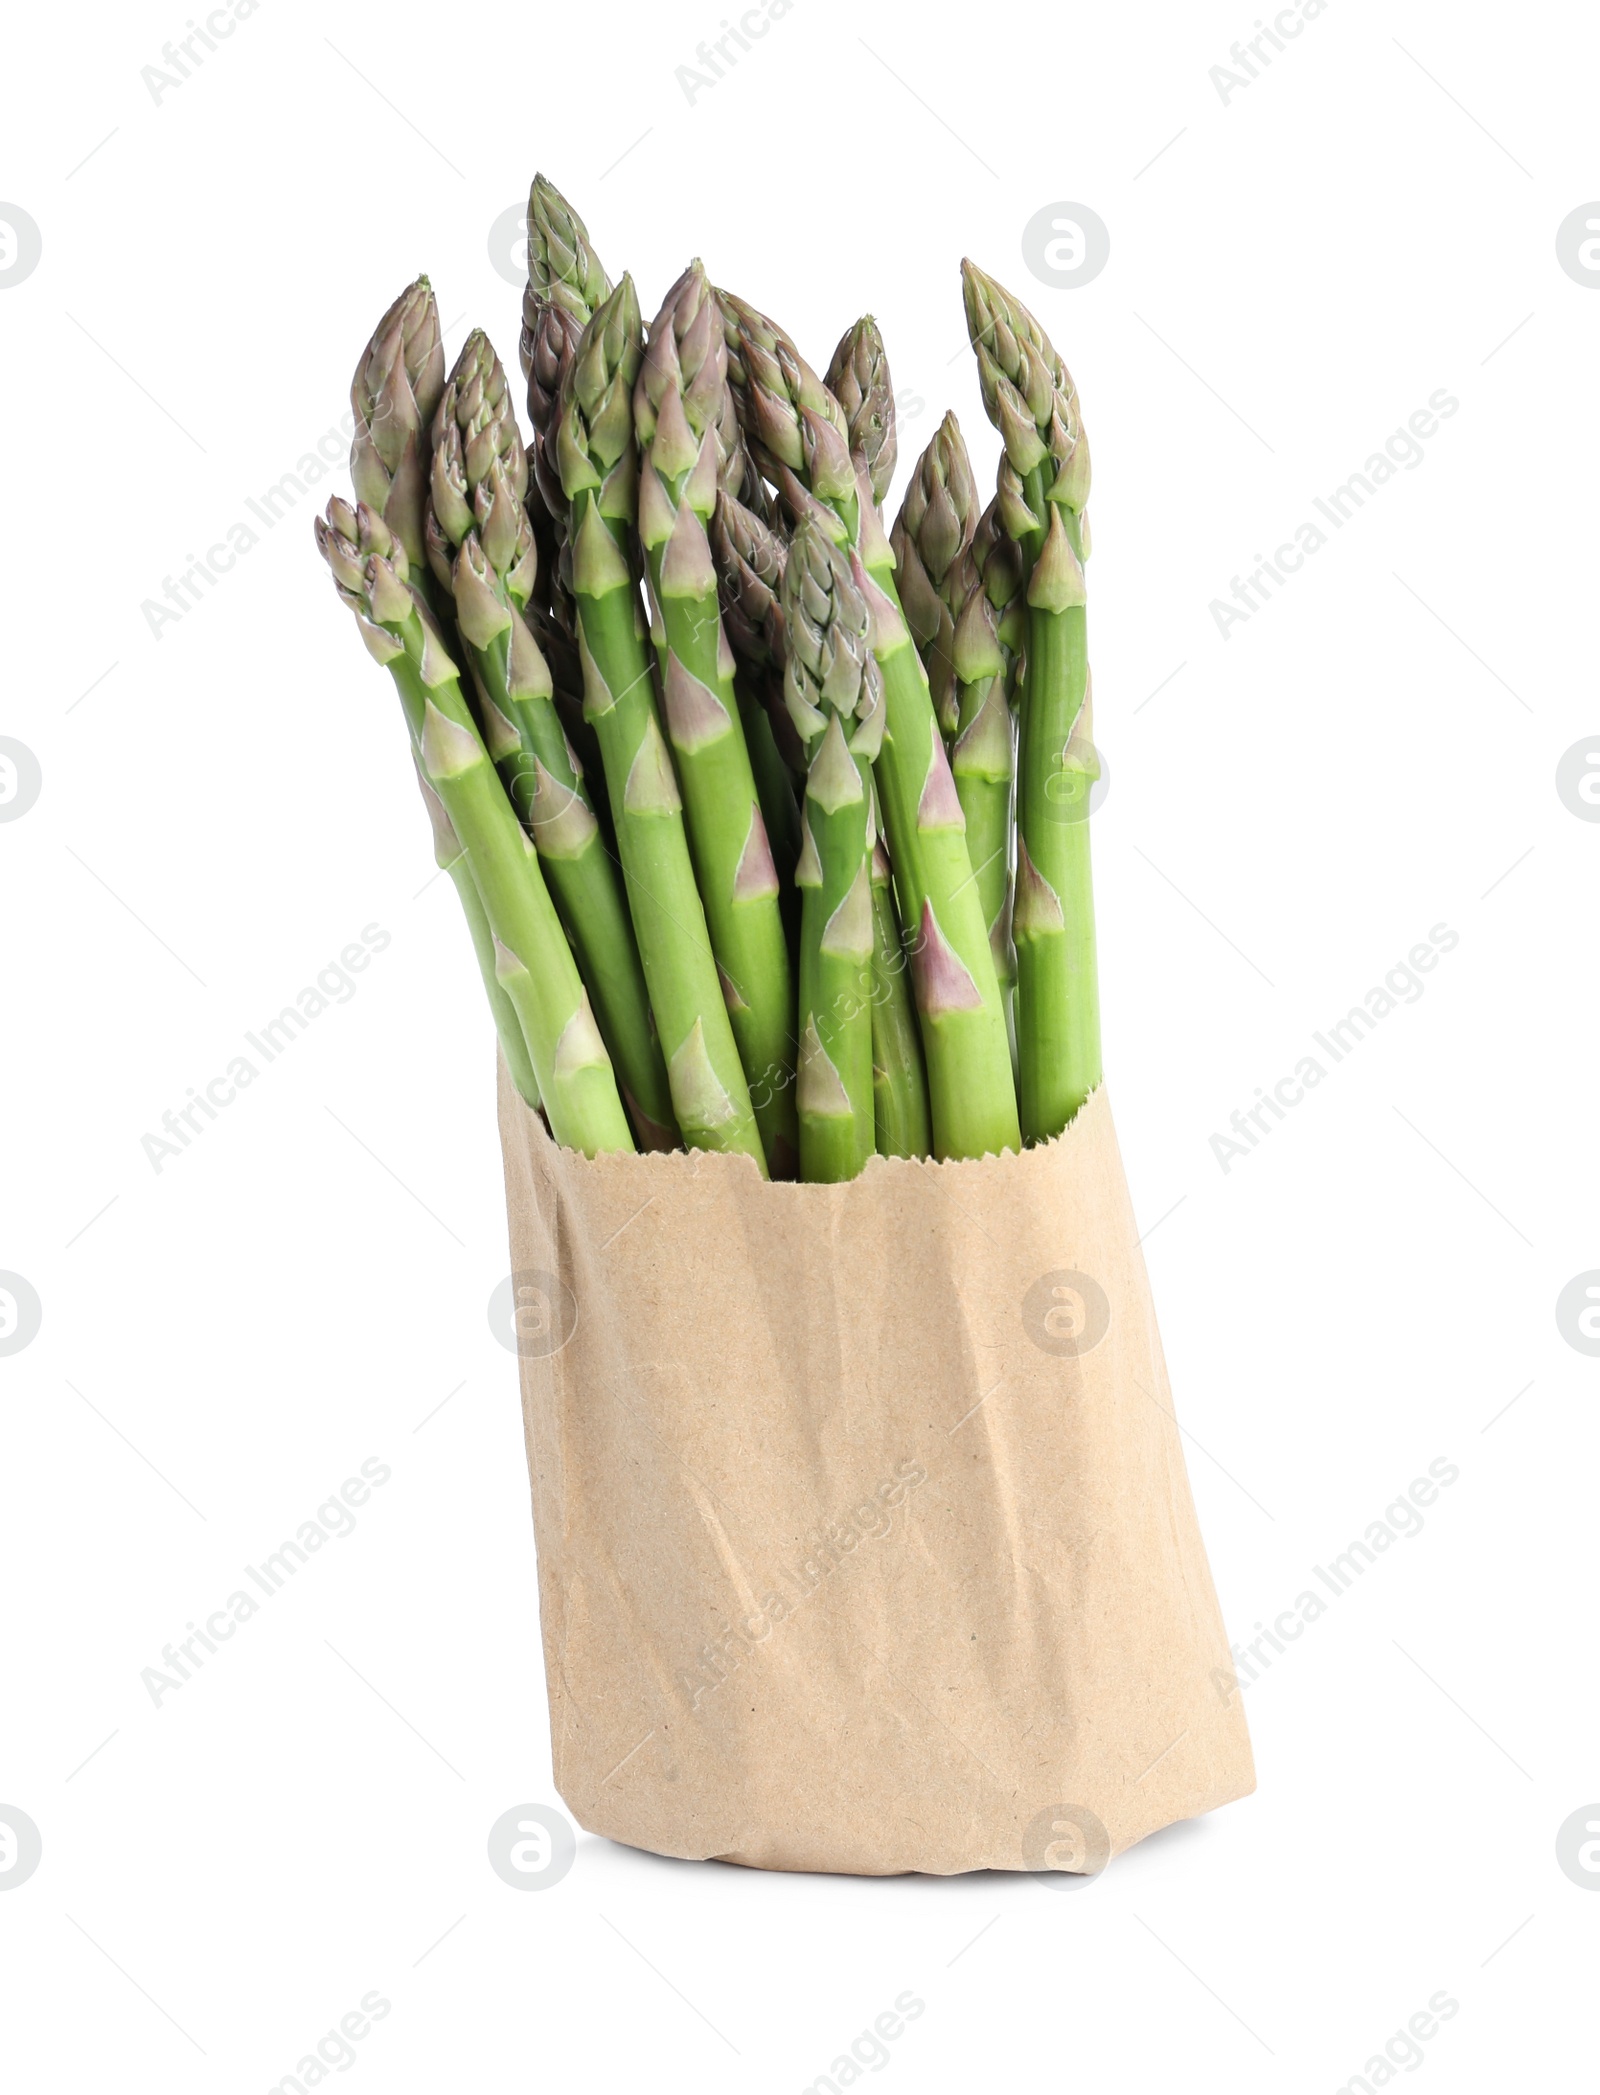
(769, 826)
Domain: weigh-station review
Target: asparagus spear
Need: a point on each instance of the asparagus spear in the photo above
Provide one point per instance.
(450, 858)
(677, 399)
(834, 695)
(953, 622)
(599, 469)
(565, 284)
(931, 540)
(902, 1127)
(799, 436)
(749, 555)
(858, 378)
(481, 549)
(982, 761)
(394, 395)
(533, 962)
(1043, 487)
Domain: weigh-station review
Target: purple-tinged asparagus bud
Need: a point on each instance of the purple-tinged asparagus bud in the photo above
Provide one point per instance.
(479, 476)
(749, 559)
(931, 538)
(550, 336)
(858, 378)
(772, 383)
(684, 373)
(394, 395)
(563, 268)
(829, 668)
(1029, 396)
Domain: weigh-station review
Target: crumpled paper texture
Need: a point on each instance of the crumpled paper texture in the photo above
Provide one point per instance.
(864, 1536)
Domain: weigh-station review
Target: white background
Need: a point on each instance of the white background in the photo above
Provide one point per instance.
(1292, 807)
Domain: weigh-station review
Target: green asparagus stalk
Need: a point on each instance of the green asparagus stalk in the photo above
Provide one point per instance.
(394, 395)
(533, 962)
(481, 549)
(982, 762)
(834, 695)
(565, 284)
(858, 378)
(749, 558)
(677, 399)
(599, 472)
(1043, 487)
(931, 539)
(799, 437)
(899, 1082)
(953, 623)
(450, 858)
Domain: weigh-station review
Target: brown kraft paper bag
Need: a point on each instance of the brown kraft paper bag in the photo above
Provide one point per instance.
(865, 1541)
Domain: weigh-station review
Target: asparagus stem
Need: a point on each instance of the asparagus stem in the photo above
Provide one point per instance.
(1053, 919)
(598, 460)
(677, 400)
(780, 810)
(1043, 487)
(798, 434)
(899, 1082)
(953, 623)
(451, 859)
(982, 761)
(833, 694)
(481, 547)
(533, 962)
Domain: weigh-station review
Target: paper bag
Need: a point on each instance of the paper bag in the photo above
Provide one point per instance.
(864, 1537)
